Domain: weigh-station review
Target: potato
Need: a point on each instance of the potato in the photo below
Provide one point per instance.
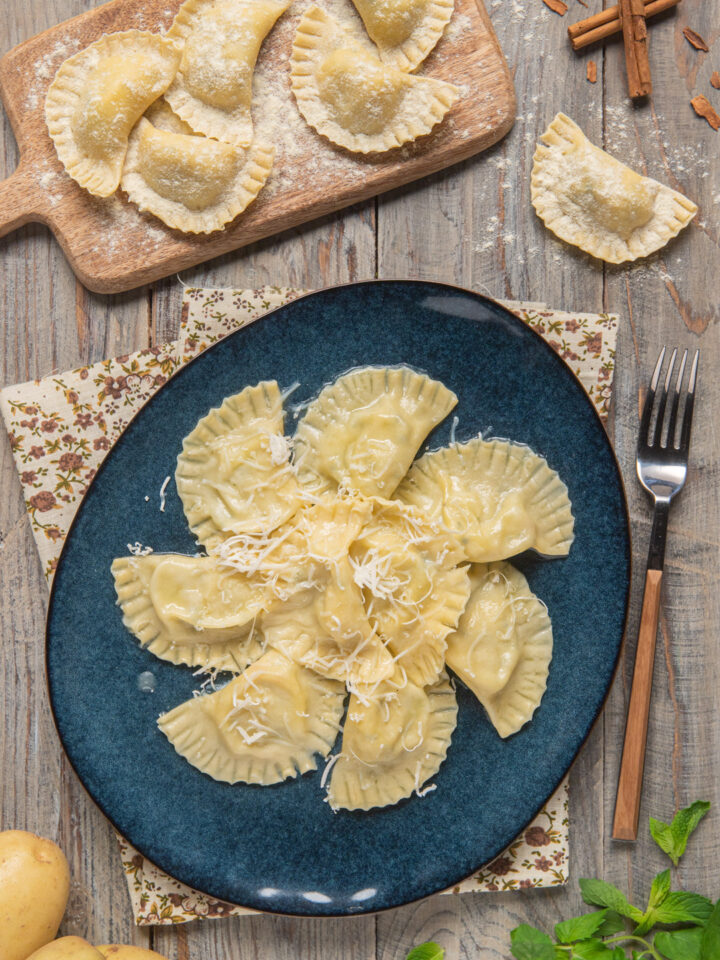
(116, 951)
(34, 887)
(67, 948)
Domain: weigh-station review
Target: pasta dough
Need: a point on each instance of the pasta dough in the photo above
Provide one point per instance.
(394, 739)
(405, 31)
(96, 98)
(213, 87)
(497, 497)
(363, 430)
(191, 610)
(503, 646)
(593, 201)
(234, 475)
(191, 183)
(354, 99)
(263, 727)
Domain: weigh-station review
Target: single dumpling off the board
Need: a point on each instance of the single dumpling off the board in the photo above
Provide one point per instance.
(233, 475)
(193, 184)
(191, 610)
(213, 87)
(498, 498)
(351, 97)
(265, 726)
(405, 31)
(503, 646)
(414, 591)
(97, 97)
(363, 430)
(395, 738)
(590, 199)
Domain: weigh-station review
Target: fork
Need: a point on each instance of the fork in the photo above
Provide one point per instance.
(662, 466)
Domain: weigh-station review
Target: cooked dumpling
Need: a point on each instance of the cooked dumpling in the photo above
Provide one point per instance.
(191, 183)
(593, 201)
(503, 646)
(234, 475)
(363, 430)
(405, 31)
(213, 87)
(414, 593)
(354, 99)
(325, 627)
(395, 738)
(265, 726)
(191, 610)
(498, 498)
(97, 97)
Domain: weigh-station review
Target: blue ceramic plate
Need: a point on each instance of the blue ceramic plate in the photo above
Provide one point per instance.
(281, 848)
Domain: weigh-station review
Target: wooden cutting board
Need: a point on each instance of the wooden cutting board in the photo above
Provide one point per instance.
(111, 246)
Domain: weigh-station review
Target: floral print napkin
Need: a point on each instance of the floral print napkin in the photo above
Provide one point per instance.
(60, 430)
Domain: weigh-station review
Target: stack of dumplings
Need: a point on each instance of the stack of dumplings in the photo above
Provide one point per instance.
(168, 117)
(335, 564)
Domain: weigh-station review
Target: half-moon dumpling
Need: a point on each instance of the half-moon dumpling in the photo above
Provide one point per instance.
(191, 610)
(234, 476)
(97, 97)
(263, 727)
(414, 593)
(498, 498)
(405, 31)
(191, 183)
(363, 430)
(213, 87)
(503, 646)
(590, 199)
(395, 738)
(354, 99)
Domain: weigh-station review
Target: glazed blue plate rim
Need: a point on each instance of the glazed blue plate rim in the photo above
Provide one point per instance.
(315, 910)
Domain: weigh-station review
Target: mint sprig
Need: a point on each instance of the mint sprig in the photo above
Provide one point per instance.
(672, 837)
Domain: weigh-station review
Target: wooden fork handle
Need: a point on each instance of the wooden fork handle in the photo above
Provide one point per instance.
(627, 805)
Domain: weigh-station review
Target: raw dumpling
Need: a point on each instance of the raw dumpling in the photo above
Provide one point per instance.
(265, 726)
(233, 475)
(363, 430)
(97, 97)
(498, 498)
(395, 738)
(414, 592)
(213, 87)
(405, 31)
(191, 610)
(354, 99)
(503, 646)
(593, 201)
(193, 184)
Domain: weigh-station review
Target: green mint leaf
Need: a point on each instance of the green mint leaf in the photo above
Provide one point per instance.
(682, 907)
(426, 951)
(579, 928)
(528, 943)
(601, 894)
(659, 890)
(672, 838)
(711, 936)
(613, 923)
(619, 954)
(680, 944)
(592, 950)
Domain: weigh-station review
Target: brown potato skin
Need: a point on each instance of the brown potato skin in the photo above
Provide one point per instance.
(34, 887)
(66, 948)
(116, 951)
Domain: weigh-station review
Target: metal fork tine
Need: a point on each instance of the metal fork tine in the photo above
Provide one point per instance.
(689, 403)
(644, 435)
(663, 401)
(672, 420)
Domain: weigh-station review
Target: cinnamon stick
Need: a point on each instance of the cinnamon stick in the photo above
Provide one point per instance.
(607, 23)
(635, 38)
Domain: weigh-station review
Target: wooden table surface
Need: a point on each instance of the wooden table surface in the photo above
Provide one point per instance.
(473, 226)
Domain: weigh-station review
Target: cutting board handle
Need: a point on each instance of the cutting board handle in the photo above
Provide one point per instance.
(22, 200)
